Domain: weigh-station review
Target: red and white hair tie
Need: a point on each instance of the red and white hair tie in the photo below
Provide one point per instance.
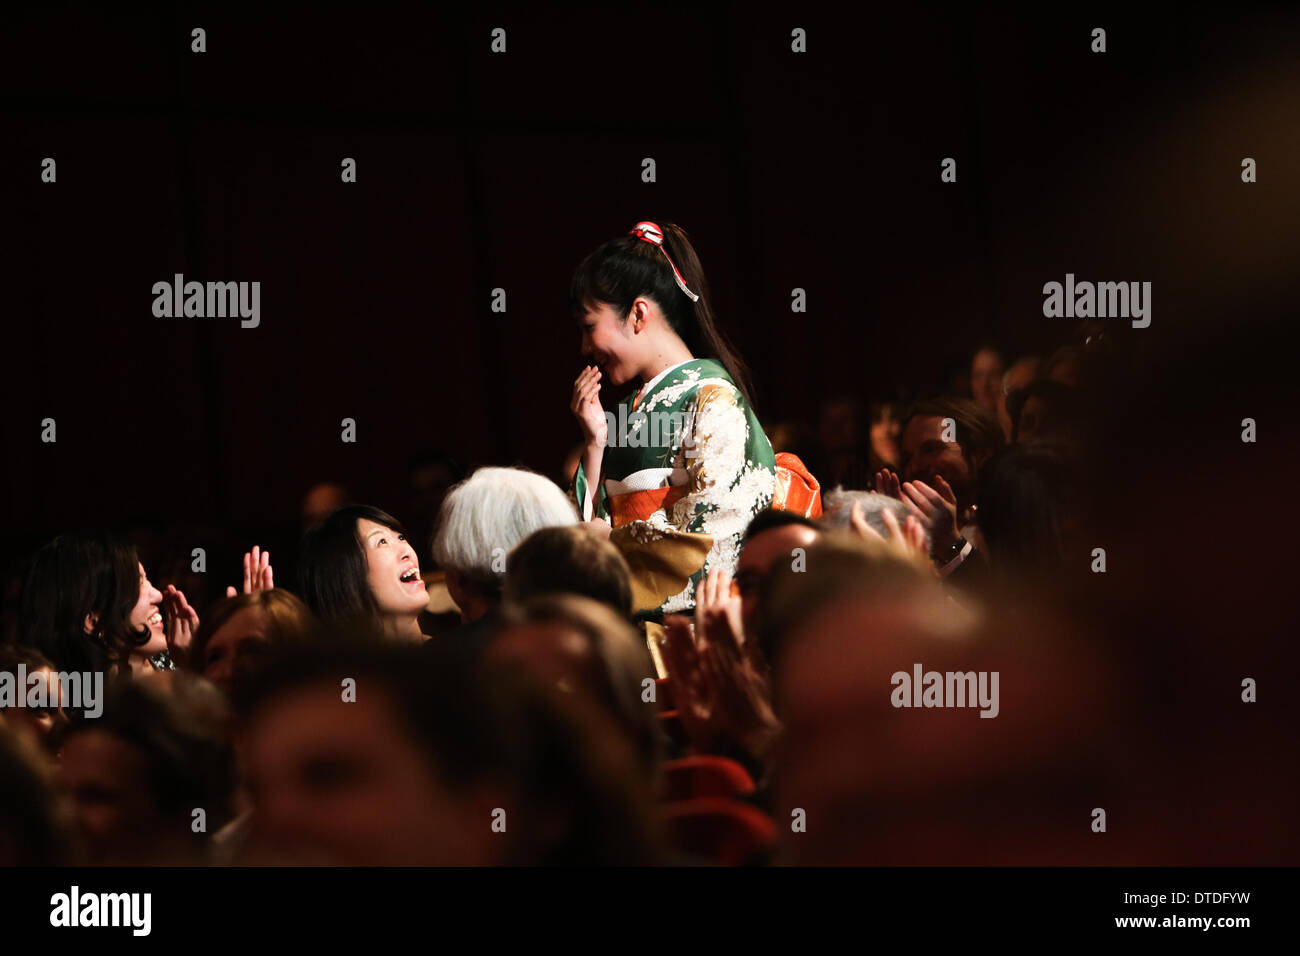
(651, 233)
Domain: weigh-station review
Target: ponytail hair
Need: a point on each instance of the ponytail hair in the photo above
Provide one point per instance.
(629, 267)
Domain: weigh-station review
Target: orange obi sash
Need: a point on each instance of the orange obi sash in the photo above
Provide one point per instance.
(640, 505)
(796, 488)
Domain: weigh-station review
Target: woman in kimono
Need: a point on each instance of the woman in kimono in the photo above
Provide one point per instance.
(681, 465)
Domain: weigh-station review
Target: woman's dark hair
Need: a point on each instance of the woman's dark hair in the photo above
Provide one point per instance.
(623, 269)
(78, 575)
(332, 570)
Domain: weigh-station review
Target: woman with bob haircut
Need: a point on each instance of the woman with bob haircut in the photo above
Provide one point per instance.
(357, 566)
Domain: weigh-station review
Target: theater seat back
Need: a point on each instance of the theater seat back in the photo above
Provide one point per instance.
(718, 830)
(704, 775)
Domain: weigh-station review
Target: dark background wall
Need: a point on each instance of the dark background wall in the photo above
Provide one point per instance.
(478, 171)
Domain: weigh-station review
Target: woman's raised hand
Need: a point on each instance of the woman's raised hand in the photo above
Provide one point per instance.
(182, 622)
(257, 572)
(587, 409)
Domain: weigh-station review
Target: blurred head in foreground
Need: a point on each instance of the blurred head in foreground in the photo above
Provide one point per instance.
(36, 826)
(569, 560)
(960, 768)
(363, 753)
(138, 774)
(584, 650)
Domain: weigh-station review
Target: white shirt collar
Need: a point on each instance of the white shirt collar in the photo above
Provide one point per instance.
(646, 388)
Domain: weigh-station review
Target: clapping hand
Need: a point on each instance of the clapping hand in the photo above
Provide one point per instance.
(257, 573)
(720, 694)
(937, 509)
(182, 622)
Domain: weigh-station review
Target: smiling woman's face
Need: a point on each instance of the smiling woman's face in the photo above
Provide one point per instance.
(392, 569)
(148, 615)
(607, 341)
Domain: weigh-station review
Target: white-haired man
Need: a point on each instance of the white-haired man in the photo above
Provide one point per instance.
(481, 521)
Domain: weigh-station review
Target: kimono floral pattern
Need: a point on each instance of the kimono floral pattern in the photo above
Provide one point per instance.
(682, 480)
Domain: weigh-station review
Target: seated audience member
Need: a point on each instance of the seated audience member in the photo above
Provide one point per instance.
(41, 724)
(590, 651)
(971, 767)
(238, 631)
(1029, 511)
(956, 458)
(771, 538)
(940, 471)
(88, 605)
(357, 567)
(886, 427)
(986, 378)
(1045, 409)
(569, 560)
(138, 773)
(434, 762)
(36, 827)
(1023, 372)
(482, 520)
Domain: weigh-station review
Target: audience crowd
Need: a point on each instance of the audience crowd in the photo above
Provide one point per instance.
(478, 691)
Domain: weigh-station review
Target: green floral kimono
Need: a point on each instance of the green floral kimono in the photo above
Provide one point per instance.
(684, 471)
